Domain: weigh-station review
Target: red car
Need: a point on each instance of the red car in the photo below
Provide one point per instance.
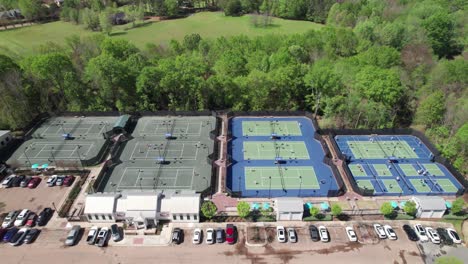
(34, 182)
(231, 234)
(68, 181)
(31, 220)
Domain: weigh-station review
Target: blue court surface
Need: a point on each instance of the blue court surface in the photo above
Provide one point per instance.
(289, 163)
(395, 165)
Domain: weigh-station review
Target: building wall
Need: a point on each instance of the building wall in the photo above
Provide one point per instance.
(184, 218)
(289, 216)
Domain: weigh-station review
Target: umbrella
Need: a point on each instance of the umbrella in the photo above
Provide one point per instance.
(255, 206)
(448, 204)
(402, 204)
(266, 206)
(324, 206)
(394, 204)
(309, 205)
(35, 166)
(44, 166)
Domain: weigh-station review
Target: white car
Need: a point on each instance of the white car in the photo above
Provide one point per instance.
(92, 235)
(433, 236)
(10, 219)
(292, 237)
(453, 235)
(210, 236)
(351, 234)
(281, 234)
(7, 181)
(380, 231)
(197, 234)
(421, 232)
(51, 181)
(22, 217)
(324, 237)
(390, 232)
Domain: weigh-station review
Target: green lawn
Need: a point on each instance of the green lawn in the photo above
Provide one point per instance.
(207, 24)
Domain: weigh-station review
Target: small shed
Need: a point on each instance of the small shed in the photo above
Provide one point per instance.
(289, 209)
(120, 124)
(429, 206)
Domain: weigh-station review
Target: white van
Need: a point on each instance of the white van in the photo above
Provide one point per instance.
(22, 217)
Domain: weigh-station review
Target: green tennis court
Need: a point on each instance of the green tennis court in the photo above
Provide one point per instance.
(447, 185)
(408, 170)
(365, 184)
(357, 170)
(381, 149)
(392, 186)
(433, 169)
(266, 128)
(277, 178)
(420, 186)
(382, 170)
(269, 150)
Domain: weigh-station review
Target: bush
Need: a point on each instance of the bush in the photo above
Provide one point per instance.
(314, 211)
(386, 209)
(336, 210)
(209, 209)
(243, 209)
(233, 8)
(457, 206)
(410, 208)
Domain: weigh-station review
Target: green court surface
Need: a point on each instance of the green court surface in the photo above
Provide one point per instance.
(269, 150)
(433, 169)
(447, 185)
(365, 184)
(357, 170)
(420, 185)
(266, 128)
(392, 186)
(409, 170)
(381, 149)
(258, 178)
(382, 170)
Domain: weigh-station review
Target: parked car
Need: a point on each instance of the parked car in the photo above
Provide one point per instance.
(24, 183)
(17, 180)
(380, 231)
(8, 181)
(44, 216)
(421, 232)
(324, 237)
(31, 236)
(18, 238)
(314, 234)
(31, 221)
(210, 236)
(103, 235)
(92, 235)
(52, 180)
(115, 233)
(72, 236)
(22, 217)
(453, 235)
(444, 236)
(10, 234)
(68, 181)
(410, 233)
(292, 237)
(351, 234)
(281, 234)
(231, 234)
(432, 235)
(389, 232)
(2, 233)
(34, 182)
(197, 236)
(59, 181)
(10, 219)
(177, 236)
(219, 235)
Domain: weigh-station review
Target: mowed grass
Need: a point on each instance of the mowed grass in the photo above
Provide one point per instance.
(207, 24)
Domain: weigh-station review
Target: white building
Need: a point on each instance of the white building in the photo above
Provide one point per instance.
(5, 138)
(289, 209)
(143, 209)
(429, 206)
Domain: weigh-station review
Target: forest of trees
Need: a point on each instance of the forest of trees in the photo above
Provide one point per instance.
(376, 64)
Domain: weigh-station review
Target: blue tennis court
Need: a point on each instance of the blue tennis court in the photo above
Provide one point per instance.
(395, 165)
(277, 156)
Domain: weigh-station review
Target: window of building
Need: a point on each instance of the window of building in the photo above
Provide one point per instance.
(7, 139)
(181, 217)
(110, 217)
(96, 217)
(90, 217)
(174, 217)
(195, 217)
(3, 143)
(188, 217)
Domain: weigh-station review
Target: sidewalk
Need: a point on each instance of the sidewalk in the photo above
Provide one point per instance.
(164, 239)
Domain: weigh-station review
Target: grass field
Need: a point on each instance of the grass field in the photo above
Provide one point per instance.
(207, 24)
(261, 178)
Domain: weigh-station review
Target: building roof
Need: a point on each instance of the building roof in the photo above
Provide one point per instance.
(122, 121)
(430, 202)
(181, 203)
(100, 203)
(289, 204)
(4, 132)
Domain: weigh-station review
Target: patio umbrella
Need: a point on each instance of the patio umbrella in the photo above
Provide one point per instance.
(324, 206)
(254, 206)
(45, 166)
(266, 206)
(35, 166)
(448, 204)
(402, 204)
(394, 204)
(309, 205)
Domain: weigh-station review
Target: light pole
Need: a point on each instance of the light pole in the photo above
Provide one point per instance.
(24, 152)
(300, 185)
(79, 156)
(53, 157)
(269, 189)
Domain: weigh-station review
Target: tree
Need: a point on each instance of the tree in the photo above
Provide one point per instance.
(90, 19)
(191, 41)
(386, 209)
(171, 7)
(410, 208)
(336, 210)
(105, 21)
(431, 110)
(440, 29)
(30, 9)
(379, 85)
(458, 206)
(209, 209)
(243, 209)
(232, 8)
(314, 211)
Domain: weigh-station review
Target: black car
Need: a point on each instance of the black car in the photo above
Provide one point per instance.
(17, 180)
(44, 216)
(177, 235)
(31, 236)
(10, 234)
(410, 233)
(444, 236)
(3, 231)
(314, 234)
